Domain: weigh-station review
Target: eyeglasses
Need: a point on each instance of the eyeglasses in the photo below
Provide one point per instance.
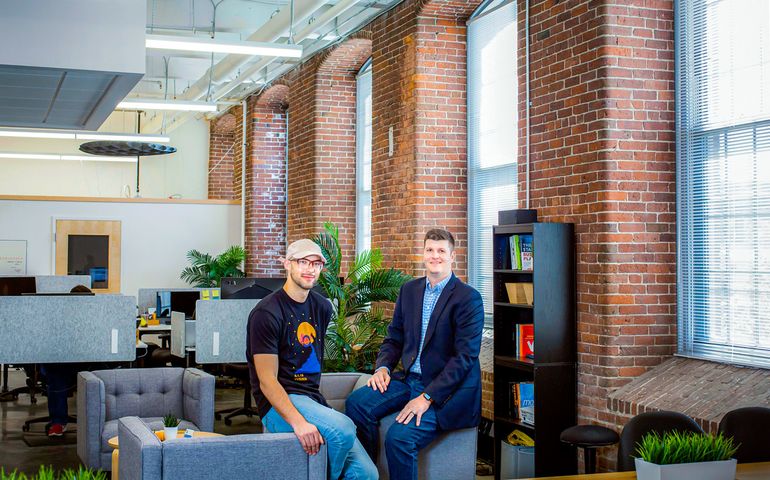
(307, 264)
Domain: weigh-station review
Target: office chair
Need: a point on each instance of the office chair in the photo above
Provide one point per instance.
(589, 438)
(241, 372)
(661, 422)
(748, 426)
(32, 387)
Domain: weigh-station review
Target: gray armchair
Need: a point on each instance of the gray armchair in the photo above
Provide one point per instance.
(451, 456)
(104, 396)
(267, 456)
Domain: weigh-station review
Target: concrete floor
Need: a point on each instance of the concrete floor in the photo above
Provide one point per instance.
(16, 454)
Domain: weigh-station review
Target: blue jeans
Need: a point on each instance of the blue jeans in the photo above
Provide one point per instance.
(347, 458)
(60, 379)
(403, 442)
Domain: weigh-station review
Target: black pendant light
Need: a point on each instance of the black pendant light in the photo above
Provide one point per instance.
(125, 149)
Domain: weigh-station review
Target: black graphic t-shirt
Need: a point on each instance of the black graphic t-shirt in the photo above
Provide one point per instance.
(295, 332)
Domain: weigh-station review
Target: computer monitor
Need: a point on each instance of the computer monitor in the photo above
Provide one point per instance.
(163, 304)
(249, 287)
(185, 302)
(17, 285)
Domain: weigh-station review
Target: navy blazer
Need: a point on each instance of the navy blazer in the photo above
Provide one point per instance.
(450, 355)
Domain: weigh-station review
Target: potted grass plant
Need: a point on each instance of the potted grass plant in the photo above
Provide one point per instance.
(170, 426)
(685, 456)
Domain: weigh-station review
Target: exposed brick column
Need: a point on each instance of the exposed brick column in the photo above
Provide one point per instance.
(418, 65)
(222, 146)
(266, 184)
(322, 144)
(603, 157)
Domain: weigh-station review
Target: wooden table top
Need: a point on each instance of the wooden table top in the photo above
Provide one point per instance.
(746, 471)
(113, 442)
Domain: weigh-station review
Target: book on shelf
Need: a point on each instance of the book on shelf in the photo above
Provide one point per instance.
(515, 252)
(513, 401)
(526, 246)
(526, 395)
(525, 340)
(522, 251)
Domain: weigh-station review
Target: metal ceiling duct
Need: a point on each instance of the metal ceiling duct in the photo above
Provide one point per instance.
(68, 64)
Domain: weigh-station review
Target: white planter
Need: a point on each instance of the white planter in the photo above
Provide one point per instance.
(724, 470)
(170, 432)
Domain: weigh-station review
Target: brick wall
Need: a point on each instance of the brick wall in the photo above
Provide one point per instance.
(222, 145)
(603, 157)
(418, 67)
(266, 184)
(322, 143)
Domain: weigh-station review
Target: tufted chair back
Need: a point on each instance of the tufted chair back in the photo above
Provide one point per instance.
(142, 392)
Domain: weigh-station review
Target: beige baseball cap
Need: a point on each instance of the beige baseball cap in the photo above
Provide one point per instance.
(304, 248)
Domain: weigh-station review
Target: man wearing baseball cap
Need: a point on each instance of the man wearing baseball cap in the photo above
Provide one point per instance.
(285, 346)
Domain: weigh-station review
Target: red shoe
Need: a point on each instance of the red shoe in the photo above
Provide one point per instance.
(56, 430)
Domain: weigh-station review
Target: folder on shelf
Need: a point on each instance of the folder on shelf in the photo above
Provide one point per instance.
(520, 293)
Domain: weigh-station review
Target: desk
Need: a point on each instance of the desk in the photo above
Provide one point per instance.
(114, 443)
(746, 471)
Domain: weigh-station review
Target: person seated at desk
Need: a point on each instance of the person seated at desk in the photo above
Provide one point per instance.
(60, 379)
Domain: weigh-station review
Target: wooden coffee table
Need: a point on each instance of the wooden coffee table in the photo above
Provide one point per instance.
(113, 442)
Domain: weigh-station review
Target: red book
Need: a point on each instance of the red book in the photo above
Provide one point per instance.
(526, 340)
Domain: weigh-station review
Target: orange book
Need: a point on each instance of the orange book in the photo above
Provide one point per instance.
(525, 346)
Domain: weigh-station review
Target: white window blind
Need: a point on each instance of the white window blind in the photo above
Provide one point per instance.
(492, 135)
(364, 158)
(723, 180)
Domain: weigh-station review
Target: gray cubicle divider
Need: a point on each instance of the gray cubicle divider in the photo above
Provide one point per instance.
(61, 329)
(147, 296)
(220, 333)
(60, 283)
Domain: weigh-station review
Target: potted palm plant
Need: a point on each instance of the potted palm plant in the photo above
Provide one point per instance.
(359, 325)
(207, 271)
(685, 456)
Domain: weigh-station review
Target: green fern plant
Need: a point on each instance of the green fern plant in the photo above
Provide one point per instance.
(358, 328)
(207, 271)
(48, 473)
(685, 447)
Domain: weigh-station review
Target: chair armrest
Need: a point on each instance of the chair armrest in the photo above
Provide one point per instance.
(198, 402)
(140, 450)
(91, 416)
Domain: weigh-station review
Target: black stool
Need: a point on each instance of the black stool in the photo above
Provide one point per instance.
(589, 438)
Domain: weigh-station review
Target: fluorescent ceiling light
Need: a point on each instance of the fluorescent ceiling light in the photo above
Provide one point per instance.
(263, 49)
(50, 156)
(148, 104)
(64, 135)
(36, 134)
(117, 137)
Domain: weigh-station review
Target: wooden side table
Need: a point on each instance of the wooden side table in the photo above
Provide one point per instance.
(113, 442)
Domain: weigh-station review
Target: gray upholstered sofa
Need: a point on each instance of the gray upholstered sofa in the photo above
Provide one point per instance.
(452, 456)
(104, 396)
(265, 456)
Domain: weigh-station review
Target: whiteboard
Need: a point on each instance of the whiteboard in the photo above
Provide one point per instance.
(13, 257)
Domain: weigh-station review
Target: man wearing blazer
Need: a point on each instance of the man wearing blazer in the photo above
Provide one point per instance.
(436, 335)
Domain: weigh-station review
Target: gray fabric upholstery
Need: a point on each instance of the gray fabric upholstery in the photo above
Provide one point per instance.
(198, 401)
(104, 396)
(451, 456)
(269, 456)
(140, 450)
(91, 413)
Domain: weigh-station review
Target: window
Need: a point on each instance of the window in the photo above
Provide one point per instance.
(723, 180)
(364, 158)
(492, 134)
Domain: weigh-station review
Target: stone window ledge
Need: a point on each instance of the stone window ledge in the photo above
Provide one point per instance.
(701, 389)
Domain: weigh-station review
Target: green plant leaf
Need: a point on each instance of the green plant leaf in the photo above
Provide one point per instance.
(685, 447)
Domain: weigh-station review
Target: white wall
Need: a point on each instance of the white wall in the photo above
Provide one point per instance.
(184, 173)
(155, 236)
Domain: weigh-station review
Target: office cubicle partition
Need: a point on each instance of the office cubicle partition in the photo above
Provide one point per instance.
(62, 329)
(220, 331)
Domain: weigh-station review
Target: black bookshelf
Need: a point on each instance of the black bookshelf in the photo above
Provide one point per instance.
(553, 369)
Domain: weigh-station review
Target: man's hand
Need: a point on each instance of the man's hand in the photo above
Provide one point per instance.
(380, 380)
(415, 408)
(309, 437)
